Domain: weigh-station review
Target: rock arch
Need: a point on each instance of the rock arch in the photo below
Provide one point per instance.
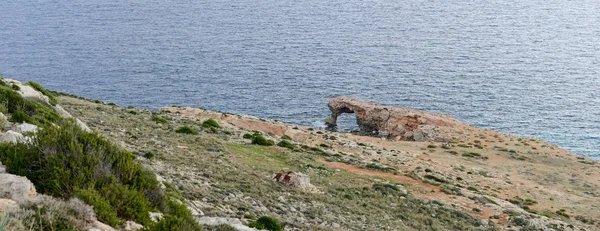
(391, 122)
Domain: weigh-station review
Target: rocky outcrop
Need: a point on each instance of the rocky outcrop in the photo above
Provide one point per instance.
(131, 226)
(16, 188)
(29, 92)
(391, 122)
(24, 127)
(11, 137)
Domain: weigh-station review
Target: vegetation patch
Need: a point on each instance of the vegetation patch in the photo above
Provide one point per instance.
(160, 119)
(187, 130)
(259, 139)
(471, 154)
(211, 123)
(64, 161)
(25, 110)
(286, 144)
(266, 223)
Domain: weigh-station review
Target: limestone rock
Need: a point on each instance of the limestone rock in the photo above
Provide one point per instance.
(391, 122)
(27, 91)
(83, 126)
(296, 180)
(2, 168)
(11, 137)
(99, 226)
(131, 226)
(62, 112)
(7, 205)
(24, 127)
(156, 216)
(17, 188)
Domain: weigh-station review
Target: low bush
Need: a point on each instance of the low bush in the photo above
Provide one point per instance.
(248, 136)
(211, 123)
(472, 154)
(160, 119)
(36, 112)
(149, 155)
(286, 137)
(285, 144)
(49, 214)
(259, 139)
(64, 161)
(266, 223)
(187, 130)
(20, 117)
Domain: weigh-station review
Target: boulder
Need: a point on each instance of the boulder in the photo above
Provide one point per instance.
(296, 180)
(11, 137)
(99, 226)
(17, 188)
(131, 226)
(2, 168)
(24, 127)
(391, 122)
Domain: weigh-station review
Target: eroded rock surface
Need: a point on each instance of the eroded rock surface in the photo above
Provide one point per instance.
(17, 188)
(391, 122)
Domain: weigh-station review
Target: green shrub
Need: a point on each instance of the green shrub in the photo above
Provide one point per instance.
(20, 117)
(16, 87)
(65, 162)
(259, 139)
(149, 155)
(133, 112)
(160, 119)
(285, 144)
(186, 130)
(266, 223)
(431, 146)
(211, 123)
(51, 97)
(248, 136)
(471, 154)
(38, 113)
(286, 137)
(104, 210)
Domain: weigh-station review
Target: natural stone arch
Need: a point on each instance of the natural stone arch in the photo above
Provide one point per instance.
(390, 122)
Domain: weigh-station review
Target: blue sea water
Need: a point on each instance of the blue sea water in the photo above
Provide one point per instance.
(529, 68)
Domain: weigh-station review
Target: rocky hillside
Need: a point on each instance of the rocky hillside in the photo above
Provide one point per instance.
(86, 182)
(233, 169)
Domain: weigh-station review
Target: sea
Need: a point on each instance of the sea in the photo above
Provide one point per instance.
(528, 68)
